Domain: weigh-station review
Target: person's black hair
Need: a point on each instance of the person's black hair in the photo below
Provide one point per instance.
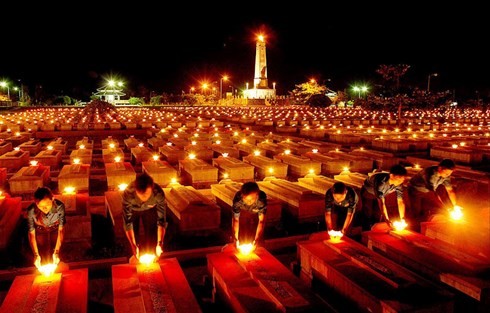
(142, 182)
(338, 188)
(398, 170)
(447, 164)
(249, 188)
(43, 193)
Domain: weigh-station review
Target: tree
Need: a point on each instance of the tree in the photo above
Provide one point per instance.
(156, 100)
(393, 73)
(303, 92)
(135, 101)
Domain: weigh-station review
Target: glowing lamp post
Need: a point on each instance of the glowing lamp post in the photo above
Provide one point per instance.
(5, 85)
(360, 89)
(428, 80)
(224, 78)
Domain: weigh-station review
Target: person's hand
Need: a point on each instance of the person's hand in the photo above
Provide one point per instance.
(56, 258)
(158, 250)
(237, 242)
(37, 261)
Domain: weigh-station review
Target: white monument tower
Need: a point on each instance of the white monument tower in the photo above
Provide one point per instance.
(260, 88)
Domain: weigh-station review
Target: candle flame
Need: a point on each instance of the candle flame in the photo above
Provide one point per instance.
(256, 152)
(173, 180)
(112, 146)
(117, 159)
(69, 190)
(33, 162)
(246, 248)
(51, 147)
(122, 187)
(155, 157)
(400, 225)
(192, 156)
(335, 235)
(147, 259)
(456, 213)
(47, 269)
(314, 150)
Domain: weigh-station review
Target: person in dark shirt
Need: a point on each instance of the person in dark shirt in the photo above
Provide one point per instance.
(249, 203)
(422, 189)
(340, 206)
(45, 222)
(145, 200)
(373, 193)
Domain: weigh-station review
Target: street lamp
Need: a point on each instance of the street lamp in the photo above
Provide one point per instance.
(17, 89)
(428, 80)
(360, 89)
(204, 87)
(224, 78)
(3, 85)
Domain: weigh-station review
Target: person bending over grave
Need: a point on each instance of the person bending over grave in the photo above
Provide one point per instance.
(425, 198)
(249, 209)
(340, 206)
(144, 200)
(373, 193)
(45, 222)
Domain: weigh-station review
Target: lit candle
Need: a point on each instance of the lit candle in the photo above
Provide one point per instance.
(122, 186)
(147, 259)
(335, 235)
(33, 162)
(246, 248)
(69, 190)
(456, 213)
(400, 225)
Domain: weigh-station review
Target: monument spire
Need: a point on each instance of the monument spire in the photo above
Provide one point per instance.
(260, 77)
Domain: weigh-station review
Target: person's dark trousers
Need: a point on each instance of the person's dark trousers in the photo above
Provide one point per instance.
(247, 226)
(148, 241)
(46, 242)
(338, 217)
(422, 206)
(371, 211)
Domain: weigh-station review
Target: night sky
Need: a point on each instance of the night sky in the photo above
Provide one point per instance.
(168, 48)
